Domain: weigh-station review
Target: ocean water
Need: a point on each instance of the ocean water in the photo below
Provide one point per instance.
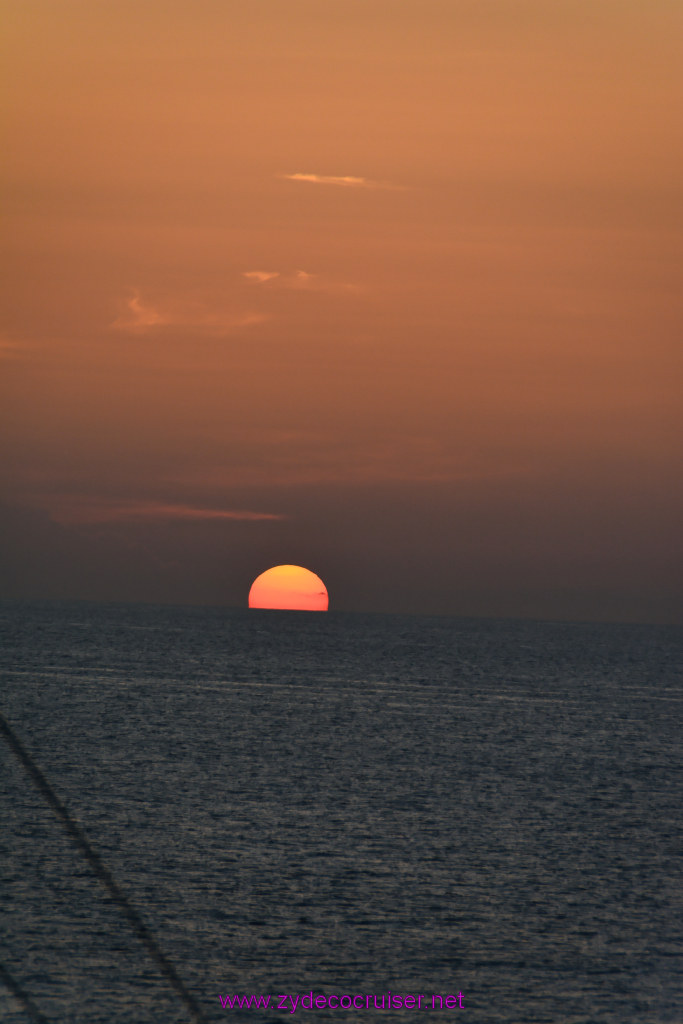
(337, 803)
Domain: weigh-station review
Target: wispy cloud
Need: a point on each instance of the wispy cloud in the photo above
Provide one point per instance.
(342, 181)
(82, 510)
(260, 276)
(141, 316)
(300, 280)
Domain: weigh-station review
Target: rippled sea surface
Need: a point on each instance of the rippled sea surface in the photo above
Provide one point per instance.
(344, 803)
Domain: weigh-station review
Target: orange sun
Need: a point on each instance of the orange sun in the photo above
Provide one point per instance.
(291, 587)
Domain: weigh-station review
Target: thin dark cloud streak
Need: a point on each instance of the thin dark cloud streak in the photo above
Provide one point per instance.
(75, 510)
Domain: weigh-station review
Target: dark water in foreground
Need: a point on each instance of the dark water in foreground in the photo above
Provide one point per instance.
(344, 804)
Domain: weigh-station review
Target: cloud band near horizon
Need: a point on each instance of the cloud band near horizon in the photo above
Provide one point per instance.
(76, 510)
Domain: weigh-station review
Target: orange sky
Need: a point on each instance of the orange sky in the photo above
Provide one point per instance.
(386, 288)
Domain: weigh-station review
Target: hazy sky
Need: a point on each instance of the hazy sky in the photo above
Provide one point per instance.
(387, 288)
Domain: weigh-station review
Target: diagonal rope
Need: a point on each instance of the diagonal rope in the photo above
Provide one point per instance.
(103, 873)
(25, 1000)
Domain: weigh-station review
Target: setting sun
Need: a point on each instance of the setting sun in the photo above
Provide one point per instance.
(289, 587)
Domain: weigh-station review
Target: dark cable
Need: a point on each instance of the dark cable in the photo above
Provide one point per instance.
(17, 991)
(103, 873)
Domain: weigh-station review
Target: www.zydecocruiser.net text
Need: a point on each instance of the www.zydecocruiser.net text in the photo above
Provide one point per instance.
(360, 1001)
